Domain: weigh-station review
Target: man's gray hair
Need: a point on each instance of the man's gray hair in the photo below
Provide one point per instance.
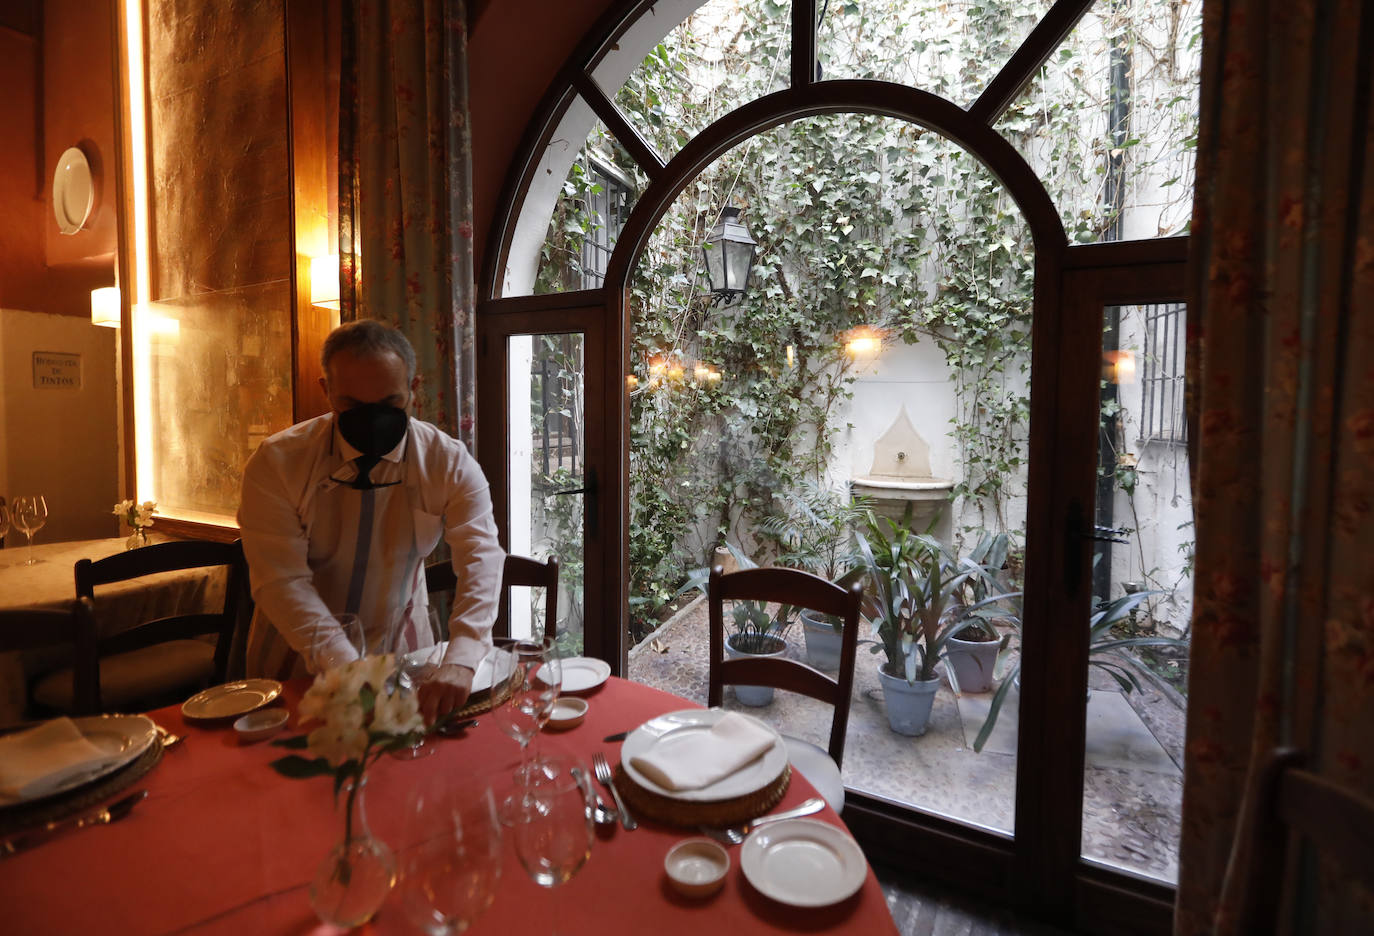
(367, 337)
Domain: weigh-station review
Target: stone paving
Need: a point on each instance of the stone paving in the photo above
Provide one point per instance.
(1133, 782)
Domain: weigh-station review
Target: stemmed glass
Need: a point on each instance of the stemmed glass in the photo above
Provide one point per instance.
(537, 678)
(553, 826)
(413, 665)
(451, 856)
(4, 522)
(29, 514)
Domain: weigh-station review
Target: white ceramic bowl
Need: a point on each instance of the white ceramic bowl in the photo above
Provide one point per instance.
(262, 724)
(567, 712)
(697, 867)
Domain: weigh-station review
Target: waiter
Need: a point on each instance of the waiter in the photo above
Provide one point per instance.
(339, 512)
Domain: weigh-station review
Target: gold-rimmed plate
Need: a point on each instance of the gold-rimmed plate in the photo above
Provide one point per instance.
(119, 738)
(231, 699)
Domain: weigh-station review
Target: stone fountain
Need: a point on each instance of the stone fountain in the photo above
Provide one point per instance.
(901, 475)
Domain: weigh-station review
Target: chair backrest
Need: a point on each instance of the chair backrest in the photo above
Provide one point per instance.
(518, 570)
(172, 557)
(800, 590)
(75, 627)
(1291, 802)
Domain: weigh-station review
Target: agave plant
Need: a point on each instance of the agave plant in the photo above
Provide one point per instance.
(1101, 647)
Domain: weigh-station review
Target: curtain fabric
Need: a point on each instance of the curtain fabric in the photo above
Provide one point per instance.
(405, 199)
(1281, 354)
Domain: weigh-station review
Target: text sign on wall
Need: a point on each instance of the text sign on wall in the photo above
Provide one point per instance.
(56, 370)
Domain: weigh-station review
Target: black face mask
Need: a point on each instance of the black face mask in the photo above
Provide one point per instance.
(373, 428)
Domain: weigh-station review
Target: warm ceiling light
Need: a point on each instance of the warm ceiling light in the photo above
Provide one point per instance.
(105, 306)
(324, 281)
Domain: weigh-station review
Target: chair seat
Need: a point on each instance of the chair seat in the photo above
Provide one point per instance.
(815, 764)
(152, 672)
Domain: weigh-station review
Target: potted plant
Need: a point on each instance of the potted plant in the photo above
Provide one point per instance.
(973, 651)
(756, 632)
(815, 531)
(912, 578)
(1102, 647)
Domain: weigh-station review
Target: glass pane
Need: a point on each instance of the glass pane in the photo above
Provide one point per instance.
(597, 195)
(548, 472)
(212, 379)
(673, 84)
(952, 49)
(1110, 122)
(1143, 587)
(882, 350)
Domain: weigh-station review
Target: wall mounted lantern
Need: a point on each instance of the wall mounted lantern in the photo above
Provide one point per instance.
(729, 252)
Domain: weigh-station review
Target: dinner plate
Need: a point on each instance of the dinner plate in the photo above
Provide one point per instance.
(803, 863)
(675, 727)
(231, 699)
(583, 673)
(120, 737)
(481, 677)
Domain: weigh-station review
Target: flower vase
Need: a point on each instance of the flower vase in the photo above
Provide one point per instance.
(136, 539)
(355, 877)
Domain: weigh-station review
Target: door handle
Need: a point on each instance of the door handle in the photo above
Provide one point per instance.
(588, 489)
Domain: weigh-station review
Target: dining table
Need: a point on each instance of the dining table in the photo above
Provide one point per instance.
(50, 584)
(222, 843)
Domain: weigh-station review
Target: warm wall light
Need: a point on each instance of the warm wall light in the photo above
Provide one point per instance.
(324, 281)
(1118, 367)
(791, 356)
(105, 306)
(863, 342)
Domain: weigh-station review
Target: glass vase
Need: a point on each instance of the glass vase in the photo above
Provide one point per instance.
(136, 539)
(355, 877)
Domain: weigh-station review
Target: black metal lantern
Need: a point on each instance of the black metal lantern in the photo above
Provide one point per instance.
(729, 254)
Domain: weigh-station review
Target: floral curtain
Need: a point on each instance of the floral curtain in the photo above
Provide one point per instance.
(1282, 417)
(405, 191)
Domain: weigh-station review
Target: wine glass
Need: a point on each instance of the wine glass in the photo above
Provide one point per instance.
(4, 523)
(553, 826)
(414, 664)
(29, 515)
(537, 678)
(451, 855)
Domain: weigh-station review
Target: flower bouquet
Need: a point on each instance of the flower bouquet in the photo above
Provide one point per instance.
(139, 516)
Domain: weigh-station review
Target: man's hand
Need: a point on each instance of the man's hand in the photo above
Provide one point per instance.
(445, 690)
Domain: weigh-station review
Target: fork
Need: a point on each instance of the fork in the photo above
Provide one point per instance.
(734, 835)
(603, 773)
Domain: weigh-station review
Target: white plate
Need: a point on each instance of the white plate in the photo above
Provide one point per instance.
(231, 699)
(73, 194)
(678, 726)
(803, 863)
(583, 673)
(481, 677)
(123, 737)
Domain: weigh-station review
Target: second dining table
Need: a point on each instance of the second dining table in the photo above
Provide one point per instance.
(224, 844)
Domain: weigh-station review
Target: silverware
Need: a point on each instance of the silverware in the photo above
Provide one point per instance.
(618, 736)
(455, 729)
(600, 814)
(104, 816)
(168, 739)
(603, 773)
(734, 835)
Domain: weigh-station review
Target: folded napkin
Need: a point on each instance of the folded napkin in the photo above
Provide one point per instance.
(36, 761)
(704, 757)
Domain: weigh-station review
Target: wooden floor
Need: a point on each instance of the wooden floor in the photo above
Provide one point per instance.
(922, 912)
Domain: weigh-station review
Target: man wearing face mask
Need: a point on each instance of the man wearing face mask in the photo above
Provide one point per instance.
(339, 512)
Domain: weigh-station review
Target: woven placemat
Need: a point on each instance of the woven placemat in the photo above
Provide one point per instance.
(483, 702)
(646, 804)
(22, 816)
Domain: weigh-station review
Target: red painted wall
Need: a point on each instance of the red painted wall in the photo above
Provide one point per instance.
(21, 206)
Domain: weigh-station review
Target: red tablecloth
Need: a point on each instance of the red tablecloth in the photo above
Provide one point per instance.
(224, 845)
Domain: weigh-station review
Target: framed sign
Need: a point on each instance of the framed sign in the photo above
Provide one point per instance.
(56, 370)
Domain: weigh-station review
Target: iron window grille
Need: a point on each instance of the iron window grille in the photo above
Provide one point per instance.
(1161, 381)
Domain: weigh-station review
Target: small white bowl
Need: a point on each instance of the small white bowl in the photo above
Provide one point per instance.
(697, 867)
(568, 712)
(260, 725)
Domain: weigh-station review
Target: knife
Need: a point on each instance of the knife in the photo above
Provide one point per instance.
(102, 816)
(618, 736)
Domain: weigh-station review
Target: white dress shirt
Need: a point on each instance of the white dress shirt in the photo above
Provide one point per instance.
(316, 547)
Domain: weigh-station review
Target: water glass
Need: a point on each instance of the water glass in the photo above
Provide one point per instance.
(552, 828)
(450, 855)
(537, 678)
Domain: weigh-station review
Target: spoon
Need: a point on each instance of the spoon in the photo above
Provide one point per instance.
(600, 814)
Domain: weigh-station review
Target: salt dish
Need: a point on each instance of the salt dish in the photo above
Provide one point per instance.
(568, 712)
(697, 867)
(259, 725)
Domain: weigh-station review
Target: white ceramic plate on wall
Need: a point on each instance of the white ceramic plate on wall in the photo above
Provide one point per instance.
(73, 192)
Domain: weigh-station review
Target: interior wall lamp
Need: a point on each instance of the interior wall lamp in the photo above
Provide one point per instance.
(105, 306)
(324, 281)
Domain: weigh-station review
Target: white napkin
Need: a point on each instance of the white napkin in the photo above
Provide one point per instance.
(705, 757)
(38, 760)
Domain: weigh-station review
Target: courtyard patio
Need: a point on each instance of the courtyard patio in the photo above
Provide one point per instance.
(1133, 782)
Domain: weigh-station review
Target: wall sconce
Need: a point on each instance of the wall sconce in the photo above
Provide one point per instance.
(105, 306)
(1118, 367)
(863, 342)
(729, 251)
(324, 281)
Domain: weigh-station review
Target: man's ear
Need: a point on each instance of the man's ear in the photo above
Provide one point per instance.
(324, 385)
(414, 390)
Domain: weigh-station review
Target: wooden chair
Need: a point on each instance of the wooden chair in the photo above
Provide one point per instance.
(800, 590)
(1293, 803)
(160, 660)
(75, 629)
(518, 570)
